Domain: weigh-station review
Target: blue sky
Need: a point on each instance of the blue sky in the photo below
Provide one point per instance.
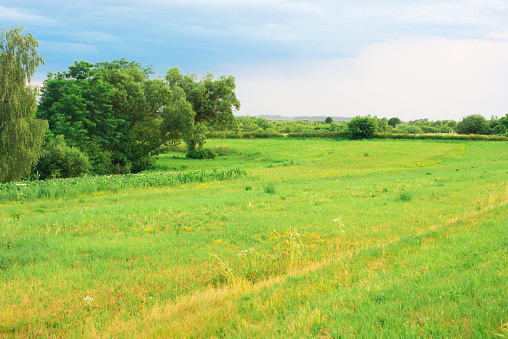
(411, 59)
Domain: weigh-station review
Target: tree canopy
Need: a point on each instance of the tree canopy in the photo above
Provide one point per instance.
(473, 124)
(213, 101)
(21, 134)
(117, 114)
(362, 127)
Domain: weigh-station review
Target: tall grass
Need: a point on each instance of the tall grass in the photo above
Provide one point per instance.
(75, 187)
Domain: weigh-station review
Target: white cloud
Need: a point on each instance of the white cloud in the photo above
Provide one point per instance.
(413, 78)
(19, 16)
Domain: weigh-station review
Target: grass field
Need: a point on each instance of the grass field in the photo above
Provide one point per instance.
(321, 238)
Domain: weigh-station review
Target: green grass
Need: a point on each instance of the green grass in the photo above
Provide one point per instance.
(407, 241)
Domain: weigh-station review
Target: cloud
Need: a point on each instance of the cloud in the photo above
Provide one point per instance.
(16, 15)
(411, 78)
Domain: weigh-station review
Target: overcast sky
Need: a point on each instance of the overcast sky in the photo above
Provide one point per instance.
(404, 58)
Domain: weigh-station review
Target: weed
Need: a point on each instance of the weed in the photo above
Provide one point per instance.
(406, 196)
(15, 214)
(269, 188)
(248, 188)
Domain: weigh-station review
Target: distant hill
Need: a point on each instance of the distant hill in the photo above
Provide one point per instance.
(309, 118)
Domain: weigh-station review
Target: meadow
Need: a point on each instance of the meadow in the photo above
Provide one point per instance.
(321, 238)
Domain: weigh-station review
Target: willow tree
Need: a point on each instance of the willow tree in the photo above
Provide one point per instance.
(21, 134)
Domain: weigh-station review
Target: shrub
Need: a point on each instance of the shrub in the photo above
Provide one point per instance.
(362, 127)
(202, 153)
(61, 161)
(473, 124)
(394, 122)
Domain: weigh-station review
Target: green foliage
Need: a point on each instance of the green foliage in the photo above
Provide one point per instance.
(473, 124)
(21, 135)
(195, 139)
(61, 161)
(409, 129)
(213, 102)
(201, 153)
(118, 115)
(394, 121)
(362, 127)
(499, 126)
(328, 120)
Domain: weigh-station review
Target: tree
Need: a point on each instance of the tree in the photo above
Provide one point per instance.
(328, 120)
(394, 121)
(362, 127)
(499, 126)
(114, 113)
(473, 124)
(382, 124)
(21, 134)
(213, 102)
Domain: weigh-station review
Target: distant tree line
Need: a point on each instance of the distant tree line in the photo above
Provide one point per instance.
(366, 126)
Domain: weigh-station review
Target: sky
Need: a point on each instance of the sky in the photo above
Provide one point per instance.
(394, 58)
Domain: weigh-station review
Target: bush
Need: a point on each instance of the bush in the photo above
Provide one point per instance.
(61, 161)
(202, 153)
(362, 127)
(473, 124)
(394, 122)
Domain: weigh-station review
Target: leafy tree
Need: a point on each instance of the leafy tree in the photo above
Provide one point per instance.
(213, 101)
(21, 134)
(499, 126)
(114, 113)
(394, 122)
(382, 125)
(77, 105)
(362, 127)
(328, 120)
(473, 124)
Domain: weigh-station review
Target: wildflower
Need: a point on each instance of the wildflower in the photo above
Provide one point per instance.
(88, 299)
